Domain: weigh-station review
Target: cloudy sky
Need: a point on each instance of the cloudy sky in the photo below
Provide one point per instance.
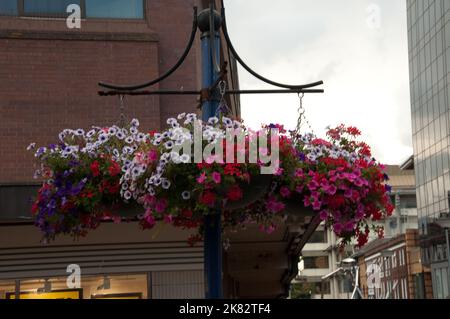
(357, 47)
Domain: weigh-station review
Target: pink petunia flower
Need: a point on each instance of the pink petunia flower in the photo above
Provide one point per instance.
(161, 206)
(285, 192)
(201, 179)
(168, 219)
(217, 178)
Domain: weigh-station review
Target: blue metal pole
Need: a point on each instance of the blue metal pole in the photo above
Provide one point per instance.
(212, 222)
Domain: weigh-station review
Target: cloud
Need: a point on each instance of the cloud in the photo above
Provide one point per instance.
(364, 66)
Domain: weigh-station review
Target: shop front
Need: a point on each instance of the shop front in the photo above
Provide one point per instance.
(115, 262)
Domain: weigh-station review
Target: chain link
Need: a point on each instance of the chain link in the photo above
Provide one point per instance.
(122, 110)
(302, 118)
(223, 108)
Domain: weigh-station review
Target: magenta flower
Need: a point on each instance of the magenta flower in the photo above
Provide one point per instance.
(306, 201)
(338, 228)
(330, 189)
(317, 205)
(299, 189)
(153, 155)
(349, 226)
(148, 217)
(285, 192)
(270, 229)
(323, 215)
(313, 185)
(348, 193)
(201, 179)
(299, 173)
(161, 206)
(274, 206)
(217, 178)
(168, 219)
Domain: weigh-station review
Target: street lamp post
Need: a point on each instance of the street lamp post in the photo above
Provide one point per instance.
(210, 44)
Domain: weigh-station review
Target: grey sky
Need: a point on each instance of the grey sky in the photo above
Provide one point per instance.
(361, 56)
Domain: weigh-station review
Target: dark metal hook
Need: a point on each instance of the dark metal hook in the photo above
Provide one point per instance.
(245, 66)
(165, 75)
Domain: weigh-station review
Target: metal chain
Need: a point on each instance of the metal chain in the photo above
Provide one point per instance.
(302, 118)
(223, 107)
(122, 110)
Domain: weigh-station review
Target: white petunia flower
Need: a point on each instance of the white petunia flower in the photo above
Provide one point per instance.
(185, 158)
(165, 183)
(213, 120)
(168, 145)
(186, 195)
(129, 140)
(127, 195)
(135, 122)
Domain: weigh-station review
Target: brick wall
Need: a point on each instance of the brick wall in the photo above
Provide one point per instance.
(49, 75)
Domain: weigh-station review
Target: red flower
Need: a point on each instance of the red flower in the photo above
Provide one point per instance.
(34, 208)
(114, 169)
(114, 188)
(353, 131)
(208, 198)
(95, 168)
(234, 193)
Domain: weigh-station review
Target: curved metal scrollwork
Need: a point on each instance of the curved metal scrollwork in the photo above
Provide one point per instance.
(165, 75)
(249, 70)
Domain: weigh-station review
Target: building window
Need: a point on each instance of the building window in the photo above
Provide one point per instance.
(124, 9)
(112, 9)
(47, 7)
(316, 262)
(8, 7)
(318, 237)
(16, 202)
(306, 290)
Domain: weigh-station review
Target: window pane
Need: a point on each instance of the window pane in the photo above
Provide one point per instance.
(8, 7)
(125, 9)
(316, 262)
(16, 202)
(48, 6)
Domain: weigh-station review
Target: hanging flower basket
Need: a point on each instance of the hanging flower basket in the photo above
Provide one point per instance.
(116, 173)
(251, 192)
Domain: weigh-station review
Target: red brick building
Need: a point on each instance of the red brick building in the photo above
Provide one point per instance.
(401, 272)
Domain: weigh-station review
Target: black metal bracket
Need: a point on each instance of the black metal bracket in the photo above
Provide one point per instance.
(206, 94)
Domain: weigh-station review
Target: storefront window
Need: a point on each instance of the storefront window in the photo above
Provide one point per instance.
(92, 287)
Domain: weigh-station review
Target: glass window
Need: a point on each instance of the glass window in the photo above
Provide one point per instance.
(47, 7)
(16, 202)
(125, 9)
(8, 7)
(316, 262)
(130, 286)
(318, 237)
